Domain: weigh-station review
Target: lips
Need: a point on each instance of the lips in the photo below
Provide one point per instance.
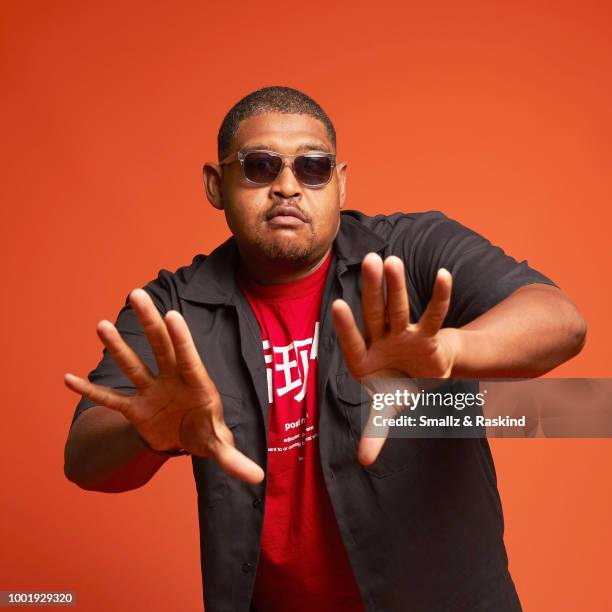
(287, 211)
(286, 216)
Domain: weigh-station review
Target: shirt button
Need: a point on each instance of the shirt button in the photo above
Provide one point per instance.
(257, 503)
(247, 567)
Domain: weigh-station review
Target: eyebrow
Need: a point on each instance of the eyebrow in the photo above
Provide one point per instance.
(306, 146)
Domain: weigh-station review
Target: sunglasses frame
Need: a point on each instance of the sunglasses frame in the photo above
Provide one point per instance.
(241, 155)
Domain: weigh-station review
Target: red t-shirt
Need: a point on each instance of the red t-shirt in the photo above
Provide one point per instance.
(303, 564)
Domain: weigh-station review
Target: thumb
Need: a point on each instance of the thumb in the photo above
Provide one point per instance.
(236, 464)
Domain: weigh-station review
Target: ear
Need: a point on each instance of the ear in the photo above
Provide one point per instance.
(341, 171)
(212, 183)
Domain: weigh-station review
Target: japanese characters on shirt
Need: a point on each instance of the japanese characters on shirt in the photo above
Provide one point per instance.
(287, 370)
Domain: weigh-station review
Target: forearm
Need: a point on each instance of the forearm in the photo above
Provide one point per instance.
(529, 333)
(104, 453)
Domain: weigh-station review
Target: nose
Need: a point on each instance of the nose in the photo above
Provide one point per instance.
(285, 185)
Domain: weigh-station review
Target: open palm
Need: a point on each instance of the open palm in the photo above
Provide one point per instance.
(393, 347)
(178, 407)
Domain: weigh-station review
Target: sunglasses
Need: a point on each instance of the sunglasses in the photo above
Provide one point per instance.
(313, 169)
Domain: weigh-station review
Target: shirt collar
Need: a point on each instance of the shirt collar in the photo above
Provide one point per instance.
(214, 281)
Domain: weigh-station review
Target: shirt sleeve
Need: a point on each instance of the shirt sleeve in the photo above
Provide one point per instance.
(483, 274)
(107, 372)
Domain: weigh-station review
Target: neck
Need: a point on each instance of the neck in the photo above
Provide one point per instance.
(277, 272)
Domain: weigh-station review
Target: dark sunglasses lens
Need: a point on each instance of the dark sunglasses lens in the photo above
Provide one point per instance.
(262, 167)
(313, 170)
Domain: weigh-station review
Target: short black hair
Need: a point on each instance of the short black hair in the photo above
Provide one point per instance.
(274, 99)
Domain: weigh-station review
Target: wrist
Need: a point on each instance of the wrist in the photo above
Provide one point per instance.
(171, 452)
(453, 339)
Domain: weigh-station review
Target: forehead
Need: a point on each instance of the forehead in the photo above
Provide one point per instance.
(282, 132)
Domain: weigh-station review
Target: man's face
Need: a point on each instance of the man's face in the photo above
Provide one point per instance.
(252, 211)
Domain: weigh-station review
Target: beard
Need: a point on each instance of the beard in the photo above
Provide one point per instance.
(281, 248)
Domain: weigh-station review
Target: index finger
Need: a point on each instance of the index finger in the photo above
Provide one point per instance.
(349, 337)
(188, 361)
(372, 296)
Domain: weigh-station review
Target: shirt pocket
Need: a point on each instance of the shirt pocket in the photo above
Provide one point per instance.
(211, 480)
(397, 454)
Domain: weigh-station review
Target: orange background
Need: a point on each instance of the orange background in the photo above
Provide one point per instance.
(497, 113)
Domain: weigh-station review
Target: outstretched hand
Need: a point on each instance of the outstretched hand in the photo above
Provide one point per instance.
(178, 407)
(392, 345)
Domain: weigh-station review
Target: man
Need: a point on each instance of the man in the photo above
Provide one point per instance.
(249, 359)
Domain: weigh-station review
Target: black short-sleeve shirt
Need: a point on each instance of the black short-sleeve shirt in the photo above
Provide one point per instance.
(423, 525)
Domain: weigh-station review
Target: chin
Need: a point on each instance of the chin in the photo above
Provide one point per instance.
(293, 251)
